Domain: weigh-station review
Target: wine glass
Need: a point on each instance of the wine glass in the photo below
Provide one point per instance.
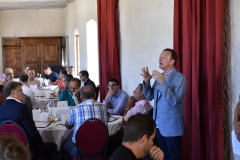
(51, 111)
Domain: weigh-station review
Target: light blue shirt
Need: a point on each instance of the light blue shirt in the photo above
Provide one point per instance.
(118, 102)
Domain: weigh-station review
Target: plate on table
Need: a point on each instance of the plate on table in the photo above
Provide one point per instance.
(42, 124)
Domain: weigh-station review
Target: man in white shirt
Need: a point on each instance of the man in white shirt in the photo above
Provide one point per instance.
(26, 69)
(31, 77)
(26, 90)
(141, 106)
(72, 72)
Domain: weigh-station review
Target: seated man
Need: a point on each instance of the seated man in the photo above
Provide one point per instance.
(89, 108)
(138, 136)
(31, 78)
(141, 106)
(67, 94)
(9, 74)
(14, 110)
(72, 72)
(26, 69)
(53, 77)
(3, 76)
(12, 148)
(66, 80)
(84, 77)
(26, 90)
(116, 99)
(236, 120)
(9, 77)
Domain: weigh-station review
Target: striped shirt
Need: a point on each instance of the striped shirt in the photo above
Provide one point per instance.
(85, 110)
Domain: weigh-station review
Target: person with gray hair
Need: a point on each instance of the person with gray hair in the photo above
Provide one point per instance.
(89, 108)
(141, 106)
(13, 109)
(9, 74)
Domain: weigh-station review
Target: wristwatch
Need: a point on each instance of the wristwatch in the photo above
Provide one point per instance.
(75, 97)
(126, 109)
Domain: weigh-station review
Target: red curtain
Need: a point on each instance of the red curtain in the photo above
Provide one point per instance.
(108, 43)
(198, 26)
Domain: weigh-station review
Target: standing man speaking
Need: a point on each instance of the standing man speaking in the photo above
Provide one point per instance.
(168, 92)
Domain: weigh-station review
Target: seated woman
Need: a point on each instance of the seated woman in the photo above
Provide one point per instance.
(60, 84)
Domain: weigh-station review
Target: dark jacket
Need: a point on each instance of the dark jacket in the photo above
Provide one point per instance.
(20, 114)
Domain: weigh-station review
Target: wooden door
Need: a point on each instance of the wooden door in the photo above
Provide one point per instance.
(51, 52)
(31, 55)
(12, 49)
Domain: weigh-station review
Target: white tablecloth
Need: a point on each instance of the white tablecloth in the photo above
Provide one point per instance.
(59, 134)
(115, 126)
(56, 133)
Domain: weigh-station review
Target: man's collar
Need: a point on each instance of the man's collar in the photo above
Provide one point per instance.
(9, 97)
(118, 93)
(88, 100)
(31, 80)
(86, 80)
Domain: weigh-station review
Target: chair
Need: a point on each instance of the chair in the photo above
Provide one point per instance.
(91, 140)
(97, 92)
(149, 112)
(13, 129)
(28, 102)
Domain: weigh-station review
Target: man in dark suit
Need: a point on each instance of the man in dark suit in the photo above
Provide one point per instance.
(84, 77)
(13, 109)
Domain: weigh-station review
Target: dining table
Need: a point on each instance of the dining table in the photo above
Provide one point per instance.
(43, 95)
(56, 132)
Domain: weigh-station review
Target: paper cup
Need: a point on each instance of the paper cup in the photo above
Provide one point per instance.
(47, 93)
(43, 116)
(36, 116)
(64, 117)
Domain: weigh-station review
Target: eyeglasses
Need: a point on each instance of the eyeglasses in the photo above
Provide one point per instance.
(74, 88)
(18, 90)
(112, 85)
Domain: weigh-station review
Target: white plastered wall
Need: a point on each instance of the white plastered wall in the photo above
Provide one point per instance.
(79, 13)
(146, 29)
